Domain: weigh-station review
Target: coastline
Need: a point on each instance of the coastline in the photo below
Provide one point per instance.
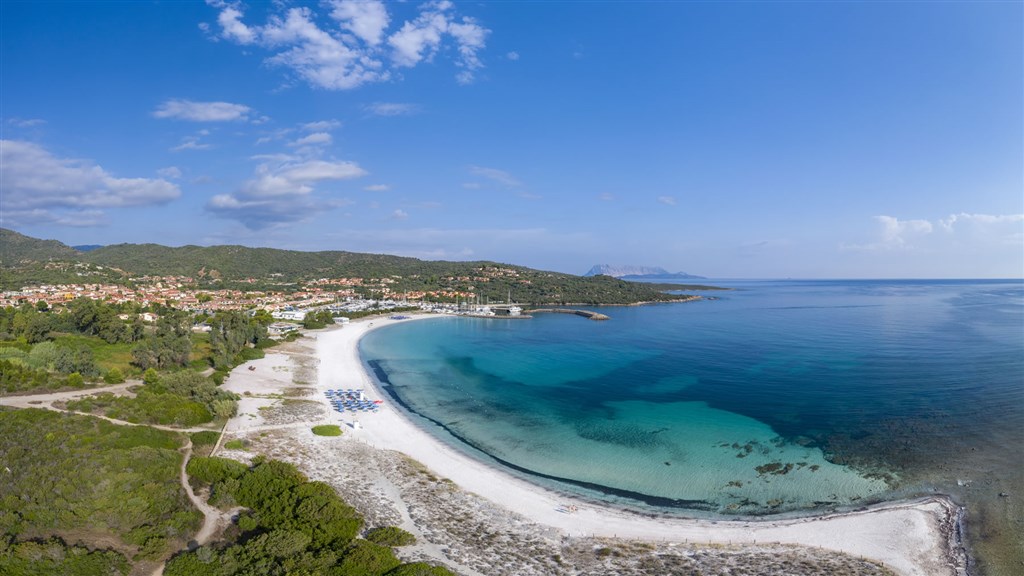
(917, 537)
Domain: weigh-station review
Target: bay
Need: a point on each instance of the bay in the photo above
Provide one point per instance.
(776, 397)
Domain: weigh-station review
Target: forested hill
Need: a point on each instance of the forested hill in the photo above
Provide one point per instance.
(16, 248)
(26, 261)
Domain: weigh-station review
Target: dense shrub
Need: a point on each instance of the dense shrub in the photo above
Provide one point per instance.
(211, 469)
(365, 558)
(390, 536)
(70, 473)
(55, 557)
(327, 430)
(113, 376)
(420, 569)
(205, 438)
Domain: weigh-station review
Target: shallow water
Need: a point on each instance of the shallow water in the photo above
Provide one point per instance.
(776, 397)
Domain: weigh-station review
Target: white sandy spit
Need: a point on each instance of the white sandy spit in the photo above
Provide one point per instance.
(916, 538)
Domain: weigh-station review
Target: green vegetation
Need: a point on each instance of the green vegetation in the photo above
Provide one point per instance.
(146, 407)
(17, 377)
(293, 526)
(205, 438)
(180, 399)
(327, 430)
(84, 477)
(235, 266)
(316, 320)
(390, 536)
(55, 557)
(209, 470)
(236, 444)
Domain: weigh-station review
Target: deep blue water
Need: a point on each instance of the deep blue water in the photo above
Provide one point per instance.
(777, 396)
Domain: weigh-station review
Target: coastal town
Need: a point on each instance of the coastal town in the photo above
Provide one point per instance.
(184, 293)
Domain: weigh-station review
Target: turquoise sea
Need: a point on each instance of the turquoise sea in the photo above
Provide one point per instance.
(774, 397)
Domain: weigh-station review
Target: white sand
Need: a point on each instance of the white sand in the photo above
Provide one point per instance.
(913, 538)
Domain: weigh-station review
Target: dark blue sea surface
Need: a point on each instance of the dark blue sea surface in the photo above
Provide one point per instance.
(777, 396)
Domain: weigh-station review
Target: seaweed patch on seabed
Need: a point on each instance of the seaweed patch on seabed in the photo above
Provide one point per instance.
(744, 450)
(628, 435)
(774, 469)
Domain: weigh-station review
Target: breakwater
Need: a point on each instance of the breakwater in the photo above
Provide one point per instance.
(584, 313)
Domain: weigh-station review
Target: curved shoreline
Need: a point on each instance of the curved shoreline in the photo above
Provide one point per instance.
(920, 537)
(917, 537)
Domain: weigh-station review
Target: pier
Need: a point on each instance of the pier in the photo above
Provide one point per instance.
(584, 313)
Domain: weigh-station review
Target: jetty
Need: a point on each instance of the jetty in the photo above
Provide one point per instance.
(584, 313)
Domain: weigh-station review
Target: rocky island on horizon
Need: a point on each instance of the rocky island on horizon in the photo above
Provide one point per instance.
(631, 271)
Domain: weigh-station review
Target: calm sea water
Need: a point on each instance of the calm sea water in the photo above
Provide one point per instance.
(776, 397)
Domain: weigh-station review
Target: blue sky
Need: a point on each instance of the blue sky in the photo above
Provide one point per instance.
(739, 139)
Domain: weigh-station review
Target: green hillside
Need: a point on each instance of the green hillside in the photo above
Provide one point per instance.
(17, 248)
(29, 261)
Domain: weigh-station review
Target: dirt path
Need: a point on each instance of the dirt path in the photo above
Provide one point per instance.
(214, 519)
(36, 400)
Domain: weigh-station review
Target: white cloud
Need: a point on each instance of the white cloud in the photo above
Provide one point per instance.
(377, 188)
(367, 19)
(26, 122)
(399, 215)
(321, 126)
(980, 219)
(351, 50)
(895, 232)
(606, 196)
(191, 143)
(500, 176)
(391, 109)
(202, 111)
(283, 191)
(471, 38)
(966, 245)
(169, 172)
(963, 229)
(513, 56)
(314, 139)
(321, 59)
(667, 200)
(40, 187)
(317, 170)
(230, 21)
(472, 185)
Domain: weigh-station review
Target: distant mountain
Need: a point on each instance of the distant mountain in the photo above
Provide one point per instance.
(87, 247)
(632, 272)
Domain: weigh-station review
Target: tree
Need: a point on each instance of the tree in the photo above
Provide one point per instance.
(113, 376)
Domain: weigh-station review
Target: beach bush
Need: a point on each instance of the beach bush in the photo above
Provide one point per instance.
(365, 558)
(210, 469)
(390, 536)
(205, 438)
(236, 444)
(113, 376)
(327, 430)
(420, 569)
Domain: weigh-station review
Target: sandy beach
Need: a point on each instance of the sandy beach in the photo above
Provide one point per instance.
(477, 519)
